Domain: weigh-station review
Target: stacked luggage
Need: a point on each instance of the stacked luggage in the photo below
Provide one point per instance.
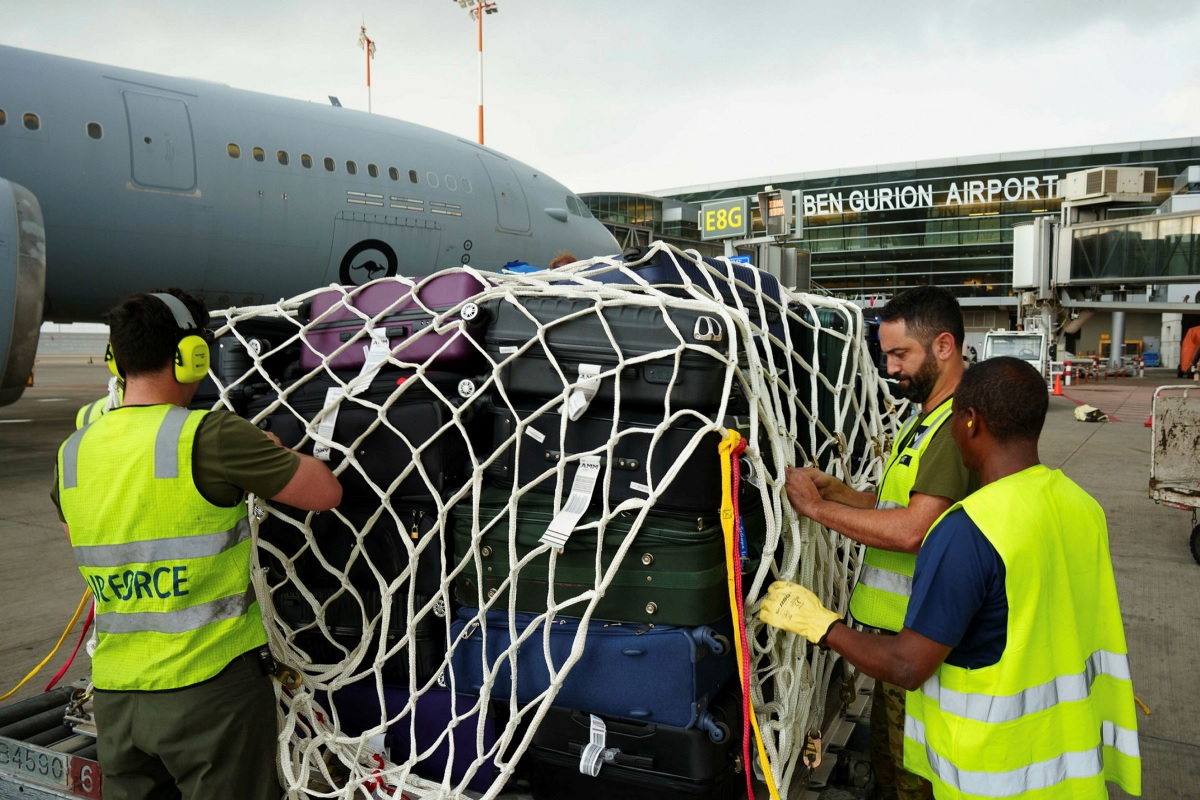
(574, 454)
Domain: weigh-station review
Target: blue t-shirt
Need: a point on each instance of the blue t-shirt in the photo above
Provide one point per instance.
(958, 596)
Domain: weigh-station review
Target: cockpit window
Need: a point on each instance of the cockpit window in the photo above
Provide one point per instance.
(583, 208)
(573, 206)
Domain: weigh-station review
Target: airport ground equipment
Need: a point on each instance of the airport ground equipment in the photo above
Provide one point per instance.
(1175, 452)
(47, 749)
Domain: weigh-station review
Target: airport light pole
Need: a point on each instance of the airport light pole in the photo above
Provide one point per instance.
(478, 8)
(366, 43)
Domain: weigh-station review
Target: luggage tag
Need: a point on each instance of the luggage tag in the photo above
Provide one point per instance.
(333, 401)
(585, 389)
(374, 356)
(582, 488)
(595, 754)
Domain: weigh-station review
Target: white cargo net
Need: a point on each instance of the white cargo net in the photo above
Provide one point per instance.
(780, 358)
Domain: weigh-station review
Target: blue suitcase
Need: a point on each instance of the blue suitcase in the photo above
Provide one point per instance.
(658, 674)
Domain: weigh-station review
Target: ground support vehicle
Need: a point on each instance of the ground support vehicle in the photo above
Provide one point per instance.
(48, 747)
(1175, 452)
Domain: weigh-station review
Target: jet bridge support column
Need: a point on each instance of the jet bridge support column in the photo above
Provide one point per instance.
(1116, 356)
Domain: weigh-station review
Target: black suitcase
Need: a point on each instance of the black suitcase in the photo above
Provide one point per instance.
(416, 433)
(532, 444)
(274, 341)
(575, 343)
(673, 573)
(831, 342)
(347, 621)
(650, 762)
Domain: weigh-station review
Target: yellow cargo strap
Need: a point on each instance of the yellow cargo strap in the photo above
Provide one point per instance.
(731, 448)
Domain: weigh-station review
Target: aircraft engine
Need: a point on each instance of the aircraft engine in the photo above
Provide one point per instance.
(22, 286)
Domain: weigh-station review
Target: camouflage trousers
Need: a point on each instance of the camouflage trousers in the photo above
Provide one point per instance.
(892, 780)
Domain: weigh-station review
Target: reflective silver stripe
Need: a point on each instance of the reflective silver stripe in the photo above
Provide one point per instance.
(87, 415)
(888, 504)
(885, 580)
(929, 425)
(1124, 740)
(175, 548)
(181, 621)
(70, 459)
(1040, 775)
(1063, 689)
(166, 443)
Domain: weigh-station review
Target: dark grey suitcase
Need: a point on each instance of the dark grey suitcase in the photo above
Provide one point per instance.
(532, 444)
(544, 345)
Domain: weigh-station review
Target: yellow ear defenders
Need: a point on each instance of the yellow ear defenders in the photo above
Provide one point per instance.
(191, 353)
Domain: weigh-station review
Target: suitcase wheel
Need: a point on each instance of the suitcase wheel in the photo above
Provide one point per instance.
(718, 732)
(472, 312)
(717, 643)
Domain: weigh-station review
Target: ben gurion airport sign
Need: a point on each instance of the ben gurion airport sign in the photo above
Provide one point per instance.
(892, 198)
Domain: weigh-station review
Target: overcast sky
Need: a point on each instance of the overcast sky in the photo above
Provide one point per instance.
(639, 95)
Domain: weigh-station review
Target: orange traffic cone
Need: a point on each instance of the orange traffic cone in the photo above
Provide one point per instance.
(1057, 384)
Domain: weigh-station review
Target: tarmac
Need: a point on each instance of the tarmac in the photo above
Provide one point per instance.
(1157, 578)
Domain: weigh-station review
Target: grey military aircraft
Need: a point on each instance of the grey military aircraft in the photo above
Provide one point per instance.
(114, 181)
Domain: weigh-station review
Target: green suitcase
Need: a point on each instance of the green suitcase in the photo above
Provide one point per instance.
(672, 574)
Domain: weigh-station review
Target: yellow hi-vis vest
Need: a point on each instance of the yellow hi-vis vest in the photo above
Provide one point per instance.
(1054, 717)
(170, 571)
(880, 597)
(88, 414)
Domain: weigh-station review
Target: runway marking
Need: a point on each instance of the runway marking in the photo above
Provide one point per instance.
(6, 421)
(52, 400)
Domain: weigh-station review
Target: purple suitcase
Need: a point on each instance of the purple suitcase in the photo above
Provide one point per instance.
(338, 322)
(358, 710)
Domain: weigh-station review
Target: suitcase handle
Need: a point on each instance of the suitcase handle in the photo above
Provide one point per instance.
(629, 464)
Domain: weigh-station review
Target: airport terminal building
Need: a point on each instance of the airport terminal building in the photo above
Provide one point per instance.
(873, 231)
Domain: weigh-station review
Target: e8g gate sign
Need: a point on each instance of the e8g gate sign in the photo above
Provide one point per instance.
(725, 218)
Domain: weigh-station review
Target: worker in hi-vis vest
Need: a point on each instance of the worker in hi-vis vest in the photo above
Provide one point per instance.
(921, 334)
(153, 499)
(1013, 650)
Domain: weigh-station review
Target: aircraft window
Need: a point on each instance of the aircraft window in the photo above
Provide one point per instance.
(451, 183)
(94, 130)
(3, 117)
(573, 205)
(306, 160)
(431, 179)
(466, 185)
(329, 166)
(233, 150)
(32, 122)
(373, 170)
(393, 173)
(412, 176)
(259, 154)
(282, 157)
(351, 168)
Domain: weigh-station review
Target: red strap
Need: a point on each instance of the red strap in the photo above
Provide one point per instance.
(87, 623)
(740, 622)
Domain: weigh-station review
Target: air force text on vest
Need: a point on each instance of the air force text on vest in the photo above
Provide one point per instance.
(136, 584)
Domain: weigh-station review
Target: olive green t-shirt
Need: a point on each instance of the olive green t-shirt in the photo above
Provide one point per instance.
(230, 457)
(941, 472)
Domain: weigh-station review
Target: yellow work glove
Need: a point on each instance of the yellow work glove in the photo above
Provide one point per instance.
(795, 608)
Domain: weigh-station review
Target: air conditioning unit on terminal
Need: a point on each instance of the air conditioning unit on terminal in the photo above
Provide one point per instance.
(1108, 180)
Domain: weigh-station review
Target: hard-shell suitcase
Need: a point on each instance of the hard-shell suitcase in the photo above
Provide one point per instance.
(659, 674)
(534, 439)
(645, 762)
(431, 319)
(551, 346)
(275, 342)
(401, 426)
(417, 727)
(364, 542)
(672, 272)
(672, 574)
(830, 342)
(352, 625)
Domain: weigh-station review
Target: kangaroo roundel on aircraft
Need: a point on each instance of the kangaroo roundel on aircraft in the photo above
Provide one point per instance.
(366, 261)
